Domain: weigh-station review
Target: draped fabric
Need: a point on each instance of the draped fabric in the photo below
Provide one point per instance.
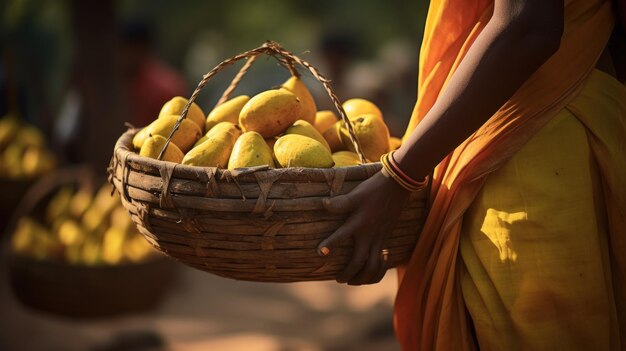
(535, 257)
(430, 313)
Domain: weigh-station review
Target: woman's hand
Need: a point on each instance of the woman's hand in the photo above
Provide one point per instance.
(375, 206)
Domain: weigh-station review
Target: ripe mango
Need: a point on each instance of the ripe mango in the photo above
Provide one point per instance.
(36, 161)
(324, 120)
(140, 137)
(308, 110)
(59, 204)
(228, 111)
(113, 245)
(346, 158)
(153, 146)
(70, 232)
(295, 150)
(214, 152)
(175, 107)
(185, 136)
(120, 219)
(357, 107)
(220, 127)
(270, 112)
(394, 143)
(250, 150)
(80, 202)
(9, 125)
(333, 137)
(30, 136)
(373, 136)
(136, 249)
(305, 128)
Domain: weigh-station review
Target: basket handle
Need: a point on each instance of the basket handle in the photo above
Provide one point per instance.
(285, 58)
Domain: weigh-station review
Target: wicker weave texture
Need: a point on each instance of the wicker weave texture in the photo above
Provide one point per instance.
(255, 224)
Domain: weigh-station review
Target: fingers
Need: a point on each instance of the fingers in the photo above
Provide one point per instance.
(339, 204)
(380, 274)
(359, 258)
(343, 233)
(371, 267)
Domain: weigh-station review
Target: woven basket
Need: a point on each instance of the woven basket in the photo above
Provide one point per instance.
(255, 224)
(75, 290)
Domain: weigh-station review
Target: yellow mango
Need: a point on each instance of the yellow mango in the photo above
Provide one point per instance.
(91, 251)
(24, 238)
(308, 110)
(113, 246)
(59, 205)
(333, 137)
(394, 143)
(30, 136)
(80, 202)
(346, 158)
(12, 159)
(373, 136)
(153, 146)
(137, 249)
(295, 150)
(305, 128)
(70, 233)
(185, 136)
(357, 107)
(220, 127)
(214, 152)
(324, 120)
(9, 125)
(175, 107)
(250, 150)
(120, 219)
(228, 111)
(105, 200)
(270, 112)
(141, 136)
(37, 161)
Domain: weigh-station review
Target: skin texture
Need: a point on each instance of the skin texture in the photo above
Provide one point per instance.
(519, 38)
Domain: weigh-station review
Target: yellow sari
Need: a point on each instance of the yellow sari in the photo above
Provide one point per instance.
(533, 205)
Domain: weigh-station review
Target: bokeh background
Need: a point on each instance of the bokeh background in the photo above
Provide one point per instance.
(79, 70)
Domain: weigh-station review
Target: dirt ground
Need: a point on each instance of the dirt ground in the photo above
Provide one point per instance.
(206, 312)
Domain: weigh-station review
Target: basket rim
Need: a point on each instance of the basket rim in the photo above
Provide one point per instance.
(124, 152)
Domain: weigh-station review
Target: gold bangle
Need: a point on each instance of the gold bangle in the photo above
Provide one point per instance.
(389, 172)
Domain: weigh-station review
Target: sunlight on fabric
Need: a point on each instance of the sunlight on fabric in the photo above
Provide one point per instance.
(497, 227)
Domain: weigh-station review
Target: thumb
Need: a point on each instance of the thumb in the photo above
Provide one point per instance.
(339, 204)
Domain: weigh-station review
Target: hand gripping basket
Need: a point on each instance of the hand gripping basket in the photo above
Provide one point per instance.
(255, 224)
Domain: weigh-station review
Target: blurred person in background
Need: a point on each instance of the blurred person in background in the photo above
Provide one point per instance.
(337, 50)
(149, 81)
(522, 116)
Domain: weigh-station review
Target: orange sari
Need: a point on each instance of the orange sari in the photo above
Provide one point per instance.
(430, 311)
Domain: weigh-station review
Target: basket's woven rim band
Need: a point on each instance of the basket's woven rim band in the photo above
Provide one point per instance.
(286, 59)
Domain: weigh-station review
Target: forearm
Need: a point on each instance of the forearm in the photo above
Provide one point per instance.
(501, 59)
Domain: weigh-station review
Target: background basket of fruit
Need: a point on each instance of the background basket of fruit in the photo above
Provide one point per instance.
(239, 193)
(75, 252)
(24, 157)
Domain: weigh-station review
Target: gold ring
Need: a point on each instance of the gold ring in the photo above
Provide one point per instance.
(385, 254)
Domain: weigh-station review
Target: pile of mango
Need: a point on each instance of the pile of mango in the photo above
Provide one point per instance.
(83, 229)
(23, 152)
(278, 128)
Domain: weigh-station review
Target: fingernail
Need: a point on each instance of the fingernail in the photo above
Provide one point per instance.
(325, 251)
